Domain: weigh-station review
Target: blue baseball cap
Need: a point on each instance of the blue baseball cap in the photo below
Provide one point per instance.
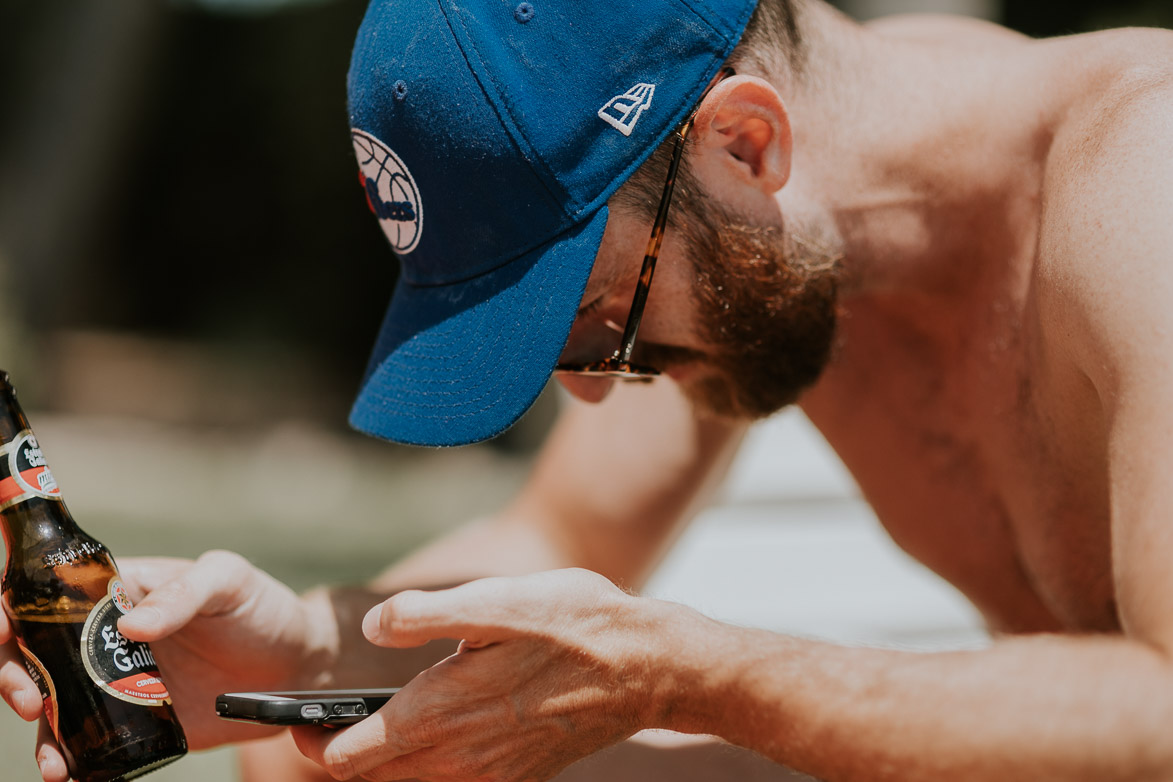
(489, 135)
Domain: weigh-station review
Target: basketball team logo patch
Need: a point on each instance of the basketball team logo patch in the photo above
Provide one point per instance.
(391, 191)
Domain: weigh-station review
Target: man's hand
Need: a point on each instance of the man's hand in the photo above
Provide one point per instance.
(217, 624)
(551, 668)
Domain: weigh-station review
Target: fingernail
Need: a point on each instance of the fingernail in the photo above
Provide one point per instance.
(371, 622)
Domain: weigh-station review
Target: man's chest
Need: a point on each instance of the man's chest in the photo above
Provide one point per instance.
(982, 455)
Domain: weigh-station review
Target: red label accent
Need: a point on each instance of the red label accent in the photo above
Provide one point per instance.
(24, 473)
(146, 684)
(32, 479)
(9, 490)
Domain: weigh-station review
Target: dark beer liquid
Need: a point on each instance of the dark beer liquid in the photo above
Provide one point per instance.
(57, 577)
(105, 738)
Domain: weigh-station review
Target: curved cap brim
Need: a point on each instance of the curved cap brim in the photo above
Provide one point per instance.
(455, 364)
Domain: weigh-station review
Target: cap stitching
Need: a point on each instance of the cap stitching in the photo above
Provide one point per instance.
(708, 16)
(481, 357)
(503, 111)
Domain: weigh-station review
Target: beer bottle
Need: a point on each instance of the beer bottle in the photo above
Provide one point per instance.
(104, 698)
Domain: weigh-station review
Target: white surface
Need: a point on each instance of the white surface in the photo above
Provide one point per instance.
(793, 548)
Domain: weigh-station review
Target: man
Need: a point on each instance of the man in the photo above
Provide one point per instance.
(948, 243)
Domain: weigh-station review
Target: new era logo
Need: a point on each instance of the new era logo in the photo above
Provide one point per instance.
(622, 111)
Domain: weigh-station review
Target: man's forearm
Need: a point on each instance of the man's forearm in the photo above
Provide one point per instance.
(341, 657)
(1040, 707)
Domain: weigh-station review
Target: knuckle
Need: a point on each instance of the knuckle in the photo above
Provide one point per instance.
(13, 677)
(11, 673)
(228, 560)
(232, 570)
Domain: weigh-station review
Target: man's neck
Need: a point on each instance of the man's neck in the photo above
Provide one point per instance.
(921, 154)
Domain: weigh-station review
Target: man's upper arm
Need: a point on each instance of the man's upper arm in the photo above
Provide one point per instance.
(615, 480)
(1109, 233)
(609, 489)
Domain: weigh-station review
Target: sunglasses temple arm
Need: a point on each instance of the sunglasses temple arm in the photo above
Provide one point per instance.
(627, 345)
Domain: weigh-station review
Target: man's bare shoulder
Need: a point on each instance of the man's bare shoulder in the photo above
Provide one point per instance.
(1124, 83)
(1106, 226)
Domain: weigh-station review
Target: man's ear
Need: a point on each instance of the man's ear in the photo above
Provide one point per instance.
(743, 128)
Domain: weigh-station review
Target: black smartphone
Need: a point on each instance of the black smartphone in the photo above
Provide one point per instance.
(307, 707)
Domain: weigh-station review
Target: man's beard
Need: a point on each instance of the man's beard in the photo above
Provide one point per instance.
(767, 309)
(766, 297)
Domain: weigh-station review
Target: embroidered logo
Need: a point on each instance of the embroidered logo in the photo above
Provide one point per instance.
(391, 192)
(623, 111)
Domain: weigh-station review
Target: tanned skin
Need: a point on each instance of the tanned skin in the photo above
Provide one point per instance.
(1000, 391)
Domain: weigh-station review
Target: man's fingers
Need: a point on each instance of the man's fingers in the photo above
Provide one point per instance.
(478, 611)
(16, 687)
(49, 757)
(355, 750)
(486, 611)
(143, 575)
(5, 628)
(217, 583)
(18, 690)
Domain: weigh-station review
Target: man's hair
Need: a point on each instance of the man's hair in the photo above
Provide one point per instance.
(772, 38)
(772, 43)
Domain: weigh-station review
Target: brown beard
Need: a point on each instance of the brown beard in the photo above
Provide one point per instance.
(767, 298)
(767, 304)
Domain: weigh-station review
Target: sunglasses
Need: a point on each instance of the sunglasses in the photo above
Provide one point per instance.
(619, 364)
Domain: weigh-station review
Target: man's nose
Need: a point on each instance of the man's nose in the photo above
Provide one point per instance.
(587, 389)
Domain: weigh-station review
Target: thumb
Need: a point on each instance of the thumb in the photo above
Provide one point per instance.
(216, 583)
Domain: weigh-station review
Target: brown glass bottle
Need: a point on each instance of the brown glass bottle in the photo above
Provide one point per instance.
(104, 697)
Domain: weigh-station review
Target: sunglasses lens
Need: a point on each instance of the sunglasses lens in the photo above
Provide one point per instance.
(610, 368)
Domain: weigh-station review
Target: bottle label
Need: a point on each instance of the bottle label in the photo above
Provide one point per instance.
(44, 683)
(124, 668)
(24, 473)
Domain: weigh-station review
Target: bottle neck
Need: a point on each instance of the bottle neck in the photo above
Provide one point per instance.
(31, 509)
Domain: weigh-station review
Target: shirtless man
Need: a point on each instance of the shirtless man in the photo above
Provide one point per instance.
(982, 222)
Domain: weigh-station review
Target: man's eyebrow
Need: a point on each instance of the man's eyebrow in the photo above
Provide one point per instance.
(590, 306)
(600, 292)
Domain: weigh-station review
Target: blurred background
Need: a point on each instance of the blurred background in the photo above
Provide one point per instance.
(190, 282)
